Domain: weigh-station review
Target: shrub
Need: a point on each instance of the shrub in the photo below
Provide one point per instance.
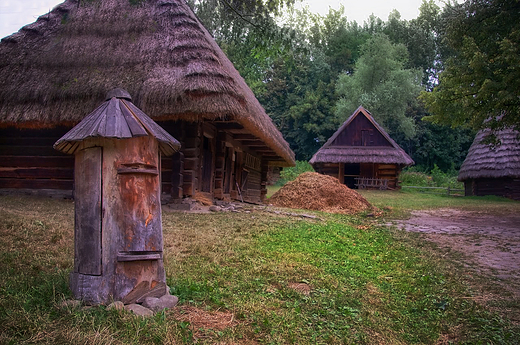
(436, 178)
(289, 174)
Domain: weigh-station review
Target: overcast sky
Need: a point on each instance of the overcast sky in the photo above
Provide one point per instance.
(16, 13)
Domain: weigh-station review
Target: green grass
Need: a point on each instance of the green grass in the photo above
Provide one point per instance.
(271, 190)
(369, 284)
(404, 201)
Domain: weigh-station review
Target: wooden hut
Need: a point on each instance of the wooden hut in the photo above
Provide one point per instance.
(361, 154)
(54, 71)
(493, 169)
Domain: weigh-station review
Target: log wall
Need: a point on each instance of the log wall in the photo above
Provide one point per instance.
(28, 160)
(506, 187)
(388, 172)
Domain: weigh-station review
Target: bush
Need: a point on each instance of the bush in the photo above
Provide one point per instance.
(289, 174)
(415, 178)
(436, 178)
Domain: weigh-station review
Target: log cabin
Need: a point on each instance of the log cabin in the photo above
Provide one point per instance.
(361, 154)
(493, 169)
(54, 71)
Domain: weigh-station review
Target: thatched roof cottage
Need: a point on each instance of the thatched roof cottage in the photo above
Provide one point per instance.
(493, 169)
(57, 70)
(361, 154)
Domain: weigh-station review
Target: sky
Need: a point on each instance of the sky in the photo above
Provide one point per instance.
(16, 13)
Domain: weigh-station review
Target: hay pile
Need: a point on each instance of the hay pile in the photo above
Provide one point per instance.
(313, 191)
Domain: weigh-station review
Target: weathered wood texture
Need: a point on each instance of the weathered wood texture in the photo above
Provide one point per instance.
(360, 139)
(212, 160)
(87, 234)
(360, 132)
(131, 234)
(27, 160)
(506, 187)
(120, 119)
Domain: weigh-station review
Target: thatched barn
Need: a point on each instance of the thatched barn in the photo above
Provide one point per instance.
(361, 154)
(55, 71)
(493, 169)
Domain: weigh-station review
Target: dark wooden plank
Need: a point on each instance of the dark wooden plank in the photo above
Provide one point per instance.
(28, 141)
(35, 161)
(11, 150)
(135, 126)
(36, 183)
(57, 132)
(353, 134)
(87, 200)
(191, 163)
(246, 136)
(37, 173)
(254, 143)
(228, 125)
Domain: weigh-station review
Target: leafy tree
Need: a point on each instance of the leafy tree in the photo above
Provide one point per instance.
(253, 12)
(419, 37)
(382, 84)
(442, 145)
(480, 82)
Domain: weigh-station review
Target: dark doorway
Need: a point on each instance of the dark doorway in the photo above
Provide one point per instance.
(207, 165)
(351, 172)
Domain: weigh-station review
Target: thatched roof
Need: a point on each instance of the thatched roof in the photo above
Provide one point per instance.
(56, 70)
(117, 118)
(390, 154)
(492, 161)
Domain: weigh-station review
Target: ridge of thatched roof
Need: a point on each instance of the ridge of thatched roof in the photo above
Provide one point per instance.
(55, 69)
(492, 161)
(117, 118)
(392, 154)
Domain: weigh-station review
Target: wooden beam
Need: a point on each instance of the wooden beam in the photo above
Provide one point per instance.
(226, 125)
(254, 143)
(245, 136)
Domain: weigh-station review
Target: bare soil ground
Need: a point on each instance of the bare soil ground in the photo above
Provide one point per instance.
(486, 247)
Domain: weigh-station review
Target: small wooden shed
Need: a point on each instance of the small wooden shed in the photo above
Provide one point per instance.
(54, 71)
(493, 169)
(361, 154)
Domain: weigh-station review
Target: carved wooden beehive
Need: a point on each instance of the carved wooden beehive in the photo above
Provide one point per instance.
(118, 245)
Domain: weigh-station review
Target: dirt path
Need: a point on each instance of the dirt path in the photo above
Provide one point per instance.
(486, 246)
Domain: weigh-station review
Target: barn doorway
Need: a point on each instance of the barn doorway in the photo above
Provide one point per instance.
(207, 166)
(352, 171)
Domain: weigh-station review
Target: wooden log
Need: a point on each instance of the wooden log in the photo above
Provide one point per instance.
(38, 173)
(191, 153)
(36, 183)
(27, 141)
(35, 161)
(9, 150)
(191, 163)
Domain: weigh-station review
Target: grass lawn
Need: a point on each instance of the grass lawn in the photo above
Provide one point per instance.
(253, 278)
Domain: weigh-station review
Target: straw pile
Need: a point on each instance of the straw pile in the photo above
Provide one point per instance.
(313, 191)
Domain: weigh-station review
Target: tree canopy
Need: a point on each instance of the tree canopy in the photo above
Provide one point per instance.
(382, 84)
(310, 72)
(480, 83)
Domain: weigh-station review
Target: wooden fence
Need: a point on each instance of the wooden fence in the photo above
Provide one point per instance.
(438, 190)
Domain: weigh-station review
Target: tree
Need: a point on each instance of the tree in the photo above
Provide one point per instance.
(480, 83)
(418, 35)
(253, 12)
(381, 84)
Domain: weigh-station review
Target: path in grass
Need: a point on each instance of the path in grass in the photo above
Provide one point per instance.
(492, 242)
(484, 245)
